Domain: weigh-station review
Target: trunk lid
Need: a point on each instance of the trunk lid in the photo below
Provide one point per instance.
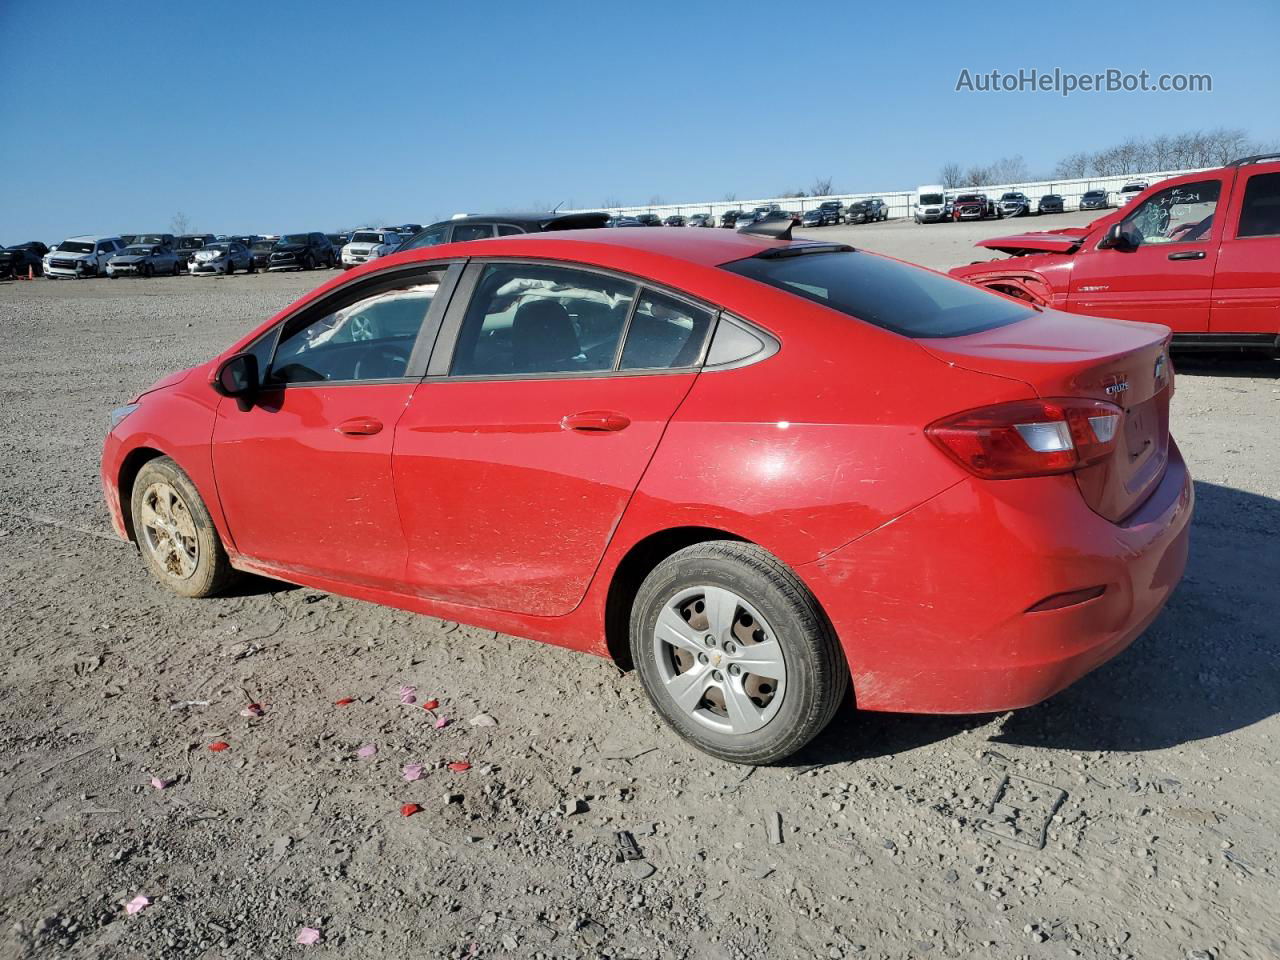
(1064, 355)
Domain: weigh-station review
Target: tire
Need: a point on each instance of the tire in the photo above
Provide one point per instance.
(148, 271)
(308, 263)
(177, 268)
(200, 568)
(778, 714)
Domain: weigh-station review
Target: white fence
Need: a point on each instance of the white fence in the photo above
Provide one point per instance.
(902, 203)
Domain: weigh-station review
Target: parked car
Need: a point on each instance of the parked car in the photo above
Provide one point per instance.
(151, 240)
(974, 206)
(930, 205)
(221, 259)
(302, 251)
(601, 457)
(366, 245)
(478, 227)
(245, 239)
(701, 220)
(879, 209)
(22, 259)
(144, 260)
(649, 219)
(340, 240)
(1050, 203)
(260, 253)
(1094, 200)
(78, 257)
(730, 218)
(833, 212)
(813, 217)
(1014, 203)
(1196, 253)
(674, 220)
(1129, 191)
(186, 245)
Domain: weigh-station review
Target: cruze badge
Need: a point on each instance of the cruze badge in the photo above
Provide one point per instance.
(1159, 371)
(1120, 386)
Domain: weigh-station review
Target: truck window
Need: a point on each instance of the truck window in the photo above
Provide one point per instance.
(1260, 213)
(1181, 214)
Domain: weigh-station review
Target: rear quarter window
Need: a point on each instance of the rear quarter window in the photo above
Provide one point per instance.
(907, 300)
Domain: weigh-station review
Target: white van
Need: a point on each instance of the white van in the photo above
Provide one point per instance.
(931, 203)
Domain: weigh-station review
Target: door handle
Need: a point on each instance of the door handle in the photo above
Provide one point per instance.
(595, 421)
(1187, 255)
(360, 427)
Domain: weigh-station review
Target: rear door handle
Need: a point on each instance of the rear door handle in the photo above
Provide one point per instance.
(1187, 255)
(595, 421)
(360, 427)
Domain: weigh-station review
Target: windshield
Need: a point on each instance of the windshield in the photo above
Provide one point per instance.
(262, 245)
(75, 246)
(151, 238)
(294, 238)
(1132, 188)
(139, 251)
(218, 247)
(1094, 193)
(930, 198)
(190, 243)
(366, 236)
(899, 297)
(969, 198)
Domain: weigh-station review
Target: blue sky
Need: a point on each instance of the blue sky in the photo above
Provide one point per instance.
(287, 116)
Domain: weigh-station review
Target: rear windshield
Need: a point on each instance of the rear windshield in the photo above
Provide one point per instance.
(905, 299)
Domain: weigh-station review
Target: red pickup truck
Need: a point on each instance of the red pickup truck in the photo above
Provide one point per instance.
(1198, 253)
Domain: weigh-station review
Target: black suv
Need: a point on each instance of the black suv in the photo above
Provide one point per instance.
(260, 253)
(16, 260)
(832, 212)
(482, 226)
(730, 218)
(302, 251)
(675, 220)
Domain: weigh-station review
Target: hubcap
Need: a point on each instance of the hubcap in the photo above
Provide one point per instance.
(169, 531)
(720, 661)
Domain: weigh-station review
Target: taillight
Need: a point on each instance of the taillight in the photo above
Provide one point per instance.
(1029, 438)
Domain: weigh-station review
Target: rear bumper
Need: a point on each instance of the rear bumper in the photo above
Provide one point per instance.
(932, 608)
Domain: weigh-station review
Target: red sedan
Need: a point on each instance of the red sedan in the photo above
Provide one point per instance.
(757, 469)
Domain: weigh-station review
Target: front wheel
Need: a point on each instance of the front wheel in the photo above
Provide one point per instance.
(735, 654)
(175, 534)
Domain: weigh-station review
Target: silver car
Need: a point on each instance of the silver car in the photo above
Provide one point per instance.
(224, 257)
(144, 260)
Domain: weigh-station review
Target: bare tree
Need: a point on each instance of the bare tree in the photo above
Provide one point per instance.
(951, 175)
(655, 201)
(1008, 170)
(977, 175)
(611, 202)
(180, 223)
(821, 187)
(730, 197)
(1074, 166)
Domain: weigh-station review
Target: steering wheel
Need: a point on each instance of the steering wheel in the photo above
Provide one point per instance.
(381, 363)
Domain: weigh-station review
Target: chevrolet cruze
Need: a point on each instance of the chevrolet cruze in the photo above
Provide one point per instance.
(760, 470)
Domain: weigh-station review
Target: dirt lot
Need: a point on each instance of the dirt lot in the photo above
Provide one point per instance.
(1154, 780)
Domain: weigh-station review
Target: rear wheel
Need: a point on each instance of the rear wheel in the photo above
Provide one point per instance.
(734, 652)
(175, 534)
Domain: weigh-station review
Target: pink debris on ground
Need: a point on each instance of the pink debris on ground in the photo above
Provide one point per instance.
(308, 936)
(252, 710)
(368, 750)
(136, 904)
(412, 771)
(408, 695)
(160, 784)
(442, 722)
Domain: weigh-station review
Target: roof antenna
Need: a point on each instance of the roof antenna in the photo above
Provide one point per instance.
(557, 206)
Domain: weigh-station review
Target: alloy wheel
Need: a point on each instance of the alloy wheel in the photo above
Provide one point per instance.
(168, 530)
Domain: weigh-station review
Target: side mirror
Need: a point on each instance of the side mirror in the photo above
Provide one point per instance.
(238, 377)
(1117, 238)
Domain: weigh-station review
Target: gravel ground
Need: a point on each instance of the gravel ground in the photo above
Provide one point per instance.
(1154, 780)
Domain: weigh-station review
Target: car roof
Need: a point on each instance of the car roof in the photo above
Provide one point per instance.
(539, 221)
(94, 237)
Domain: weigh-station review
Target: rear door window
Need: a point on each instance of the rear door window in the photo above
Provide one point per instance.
(665, 333)
(534, 319)
(907, 300)
(1260, 215)
(463, 232)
